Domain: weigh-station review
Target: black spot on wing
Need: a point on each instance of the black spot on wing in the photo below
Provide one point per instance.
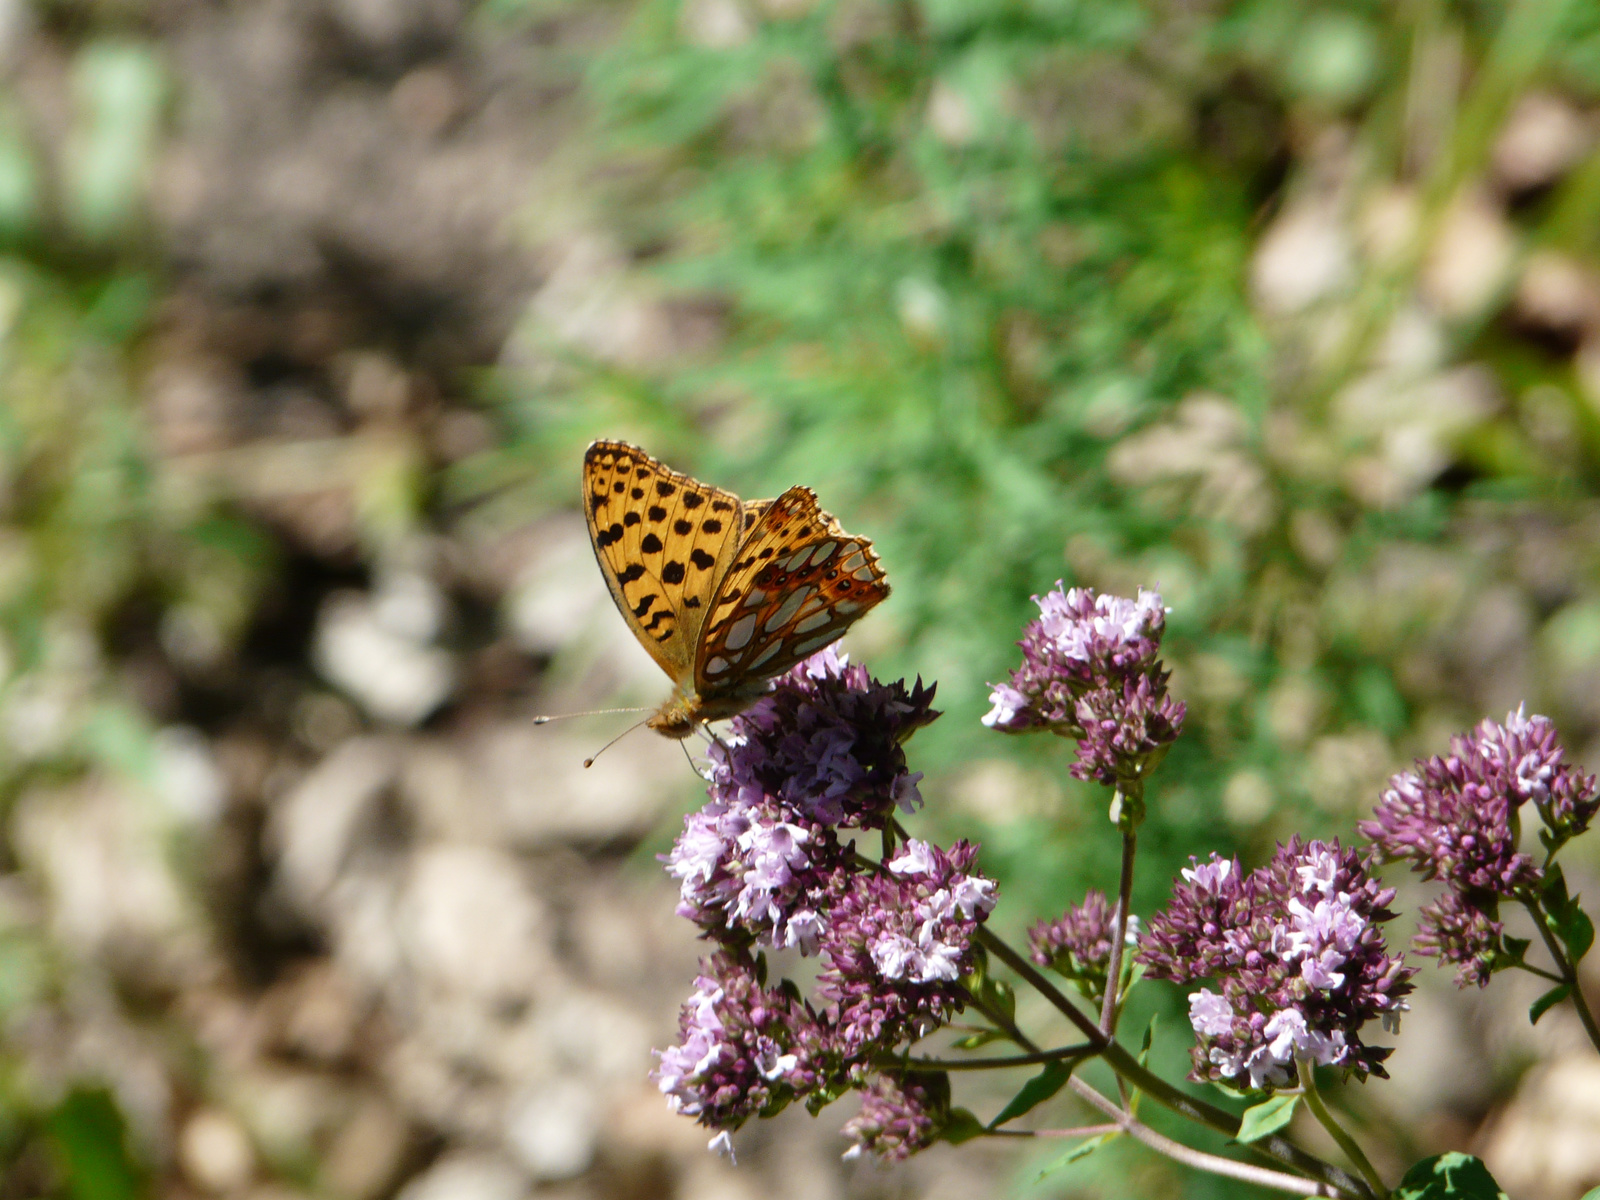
(693, 500)
(712, 526)
(663, 488)
(630, 519)
(672, 573)
(650, 545)
(692, 602)
(636, 571)
(682, 528)
(721, 506)
(661, 615)
(643, 606)
(657, 513)
(701, 559)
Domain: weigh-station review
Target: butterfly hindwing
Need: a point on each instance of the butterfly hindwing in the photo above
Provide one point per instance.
(797, 583)
(664, 541)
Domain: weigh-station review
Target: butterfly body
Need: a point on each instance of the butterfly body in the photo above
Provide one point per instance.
(724, 593)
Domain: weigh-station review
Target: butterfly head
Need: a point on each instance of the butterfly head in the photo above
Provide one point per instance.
(676, 718)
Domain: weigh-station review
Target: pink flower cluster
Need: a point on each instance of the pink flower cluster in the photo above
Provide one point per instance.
(762, 865)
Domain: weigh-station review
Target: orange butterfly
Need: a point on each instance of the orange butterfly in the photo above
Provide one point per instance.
(724, 593)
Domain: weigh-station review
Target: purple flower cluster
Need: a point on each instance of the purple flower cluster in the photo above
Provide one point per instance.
(1089, 671)
(898, 944)
(762, 864)
(1078, 944)
(899, 1115)
(743, 1049)
(1456, 818)
(1296, 950)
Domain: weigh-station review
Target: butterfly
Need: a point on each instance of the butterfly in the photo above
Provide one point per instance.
(724, 593)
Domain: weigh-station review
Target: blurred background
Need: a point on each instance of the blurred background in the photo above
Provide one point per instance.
(307, 310)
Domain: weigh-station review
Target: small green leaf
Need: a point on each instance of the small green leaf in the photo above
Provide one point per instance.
(1036, 1091)
(1000, 994)
(973, 1041)
(963, 1126)
(1144, 1061)
(1591, 1194)
(1267, 1117)
(1548, 1001)
(1449, 1177)
(1516, 950)
(1082, 1150)
(1577, 932)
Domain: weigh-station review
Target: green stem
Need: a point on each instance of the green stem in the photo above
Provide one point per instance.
(1568, 972)
(1113, 997)
(1162, 1092)
(1348, 1144)
(1080, 1050)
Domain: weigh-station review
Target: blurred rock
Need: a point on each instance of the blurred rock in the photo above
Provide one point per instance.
(470, 922)
(1558, 295)
(316, 826)
(1207, 445)
(543, 790)
(468, 1175)
(1545, 1144)
(367, 1152)
(1471, 256)
(1306, 256)
(100, 851)
(187, 777)
(553, 1128)
(1411, 425)
(215, 1152)
(1542, 138)
(378, 649)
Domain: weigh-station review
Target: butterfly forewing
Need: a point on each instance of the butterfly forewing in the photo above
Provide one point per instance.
(797, 583)
(663, 541)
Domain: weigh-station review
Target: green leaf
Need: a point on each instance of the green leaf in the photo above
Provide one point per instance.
(1000, 994)
(1453, 1176)
(983, 1037)
(1548, 1001)
(89, 1140)
(1267, 1117)
(1144, 1061)
(963, 1126)
(1082, 1150)
(1576, 931)
(1036, 1091)
(1591, 1194)
(1565, 917)
(1516, 950)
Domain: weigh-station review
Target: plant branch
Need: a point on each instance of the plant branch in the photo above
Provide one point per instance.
(1199, 1159)
(1113, 997)
(1348, 1144)
(1569, 973)
(1043, 986)
(1081, 1050)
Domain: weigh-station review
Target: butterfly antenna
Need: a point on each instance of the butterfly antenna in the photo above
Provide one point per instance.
(589, 762)
(593, 712)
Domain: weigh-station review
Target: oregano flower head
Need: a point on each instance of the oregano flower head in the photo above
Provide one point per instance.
(1090, 671)
(1298, 956)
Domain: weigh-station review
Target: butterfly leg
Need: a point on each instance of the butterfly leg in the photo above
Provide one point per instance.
(711, 736)
(689, 758)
